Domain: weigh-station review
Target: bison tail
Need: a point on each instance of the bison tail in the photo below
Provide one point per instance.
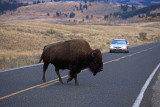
(42, 55)
(41, 58)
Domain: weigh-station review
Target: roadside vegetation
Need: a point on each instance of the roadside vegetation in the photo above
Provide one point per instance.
(22, 43)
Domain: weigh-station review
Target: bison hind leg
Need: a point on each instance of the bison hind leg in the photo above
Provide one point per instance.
(45, 66)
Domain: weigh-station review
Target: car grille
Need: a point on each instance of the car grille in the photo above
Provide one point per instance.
(117, 47)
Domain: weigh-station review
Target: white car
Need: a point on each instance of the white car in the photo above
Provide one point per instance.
(120, 45)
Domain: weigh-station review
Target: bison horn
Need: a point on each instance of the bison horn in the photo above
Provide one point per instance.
(94, 53)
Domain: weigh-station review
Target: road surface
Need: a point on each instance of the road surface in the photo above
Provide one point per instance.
(118, 85)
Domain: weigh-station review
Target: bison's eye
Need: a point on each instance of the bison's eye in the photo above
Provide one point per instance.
(99, 62)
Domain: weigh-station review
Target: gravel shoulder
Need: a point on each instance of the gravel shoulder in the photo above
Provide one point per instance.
(156, 92)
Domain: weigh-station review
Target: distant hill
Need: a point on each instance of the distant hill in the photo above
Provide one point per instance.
(60, 12)
(129, 2)
(80, 13)
(138, 2)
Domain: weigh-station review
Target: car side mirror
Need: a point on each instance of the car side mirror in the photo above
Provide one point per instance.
(127, 43)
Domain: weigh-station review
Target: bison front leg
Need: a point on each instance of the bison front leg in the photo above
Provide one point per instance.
(73, 74)
(69, 79)
(76, 81)
(57, 72)
(75, 78)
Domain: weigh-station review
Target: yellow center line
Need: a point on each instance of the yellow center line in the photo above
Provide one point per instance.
(49, 84)
(21, 91)
(56, 80)
(53, 82)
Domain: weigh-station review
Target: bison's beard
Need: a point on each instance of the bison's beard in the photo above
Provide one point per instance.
(93, 69)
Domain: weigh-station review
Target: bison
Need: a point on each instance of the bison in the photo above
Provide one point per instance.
(74, 55)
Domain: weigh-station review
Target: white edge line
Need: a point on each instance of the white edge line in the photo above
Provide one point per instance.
(21, 67)
(143, 45)
(140, 96)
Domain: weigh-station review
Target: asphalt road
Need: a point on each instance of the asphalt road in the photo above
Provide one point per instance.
(118, 85)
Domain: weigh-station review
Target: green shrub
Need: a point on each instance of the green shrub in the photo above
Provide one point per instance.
(143, 36)
(72, 15)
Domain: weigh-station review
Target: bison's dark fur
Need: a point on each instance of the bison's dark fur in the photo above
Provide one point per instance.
(74, 55)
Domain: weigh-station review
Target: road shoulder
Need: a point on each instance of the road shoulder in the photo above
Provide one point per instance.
(156, 92)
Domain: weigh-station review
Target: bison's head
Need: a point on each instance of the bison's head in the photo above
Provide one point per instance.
(96, 64)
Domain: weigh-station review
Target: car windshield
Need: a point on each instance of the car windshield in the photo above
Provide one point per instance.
(119, 42)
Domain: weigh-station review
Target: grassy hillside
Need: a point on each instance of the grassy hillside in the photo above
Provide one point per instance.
(22, 43)
(81, 13)
(59, 12)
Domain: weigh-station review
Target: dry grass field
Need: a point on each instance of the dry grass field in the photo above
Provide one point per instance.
(22, 43)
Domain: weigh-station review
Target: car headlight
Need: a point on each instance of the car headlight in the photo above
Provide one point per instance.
(124, 47)
(111, 46)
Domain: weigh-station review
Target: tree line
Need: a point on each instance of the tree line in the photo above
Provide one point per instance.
(134, 12)
(11, 6)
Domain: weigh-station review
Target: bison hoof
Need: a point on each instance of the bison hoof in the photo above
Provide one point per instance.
(44, 80)
(77, 84)
(69, 79)
(61, 82)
